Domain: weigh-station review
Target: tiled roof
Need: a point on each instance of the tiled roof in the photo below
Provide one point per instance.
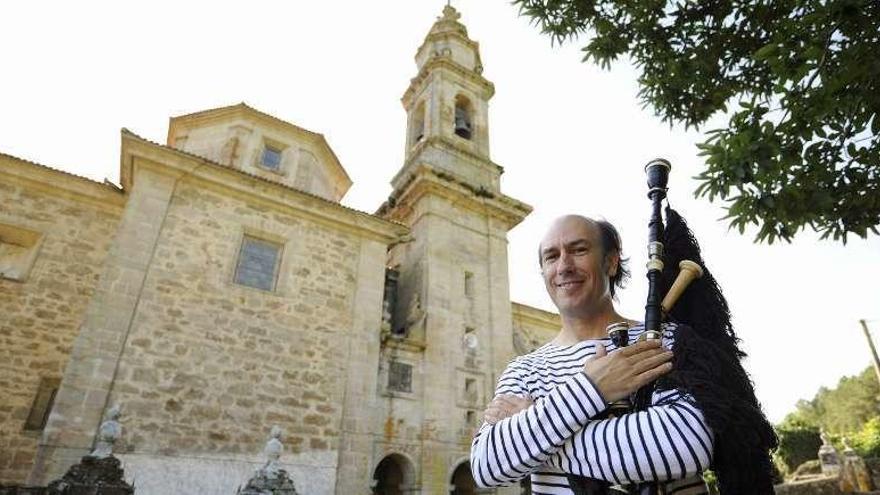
(106, 183)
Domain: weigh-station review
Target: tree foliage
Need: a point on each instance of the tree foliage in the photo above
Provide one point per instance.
(851, 410)
(867, 440)
(843, 409)
(798, 443)
(799, 80)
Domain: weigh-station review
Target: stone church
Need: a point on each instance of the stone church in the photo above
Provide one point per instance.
(222, 289)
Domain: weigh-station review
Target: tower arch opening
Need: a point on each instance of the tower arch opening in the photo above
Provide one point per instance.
(462, 482)
(394, 475)
(464, 112)
(417, 125)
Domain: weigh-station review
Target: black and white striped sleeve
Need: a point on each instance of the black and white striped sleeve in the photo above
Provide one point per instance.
(670, 440)
(512, 448)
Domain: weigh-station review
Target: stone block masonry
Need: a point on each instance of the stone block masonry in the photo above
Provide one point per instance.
(40, 315)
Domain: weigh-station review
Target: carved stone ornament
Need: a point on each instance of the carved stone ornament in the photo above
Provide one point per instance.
(415, 316)
(829, 460)
(450, 14)
(99, 472)
(108, 434)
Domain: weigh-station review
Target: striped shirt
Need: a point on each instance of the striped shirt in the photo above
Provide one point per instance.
(668, 441)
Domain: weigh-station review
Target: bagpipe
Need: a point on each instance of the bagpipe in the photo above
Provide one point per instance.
(707, 359)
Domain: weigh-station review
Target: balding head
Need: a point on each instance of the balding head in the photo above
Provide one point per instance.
(601, 232)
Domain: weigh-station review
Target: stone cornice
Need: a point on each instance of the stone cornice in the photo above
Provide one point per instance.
(448, 146)
(446, 63)
(245, 112)
(59, 183)
(459, 34)
(426, 180)
(139, 152)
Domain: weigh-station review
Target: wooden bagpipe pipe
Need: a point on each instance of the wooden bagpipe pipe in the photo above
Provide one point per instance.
(706, 362)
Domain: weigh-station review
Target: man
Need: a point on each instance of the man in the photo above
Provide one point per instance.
(541, 422)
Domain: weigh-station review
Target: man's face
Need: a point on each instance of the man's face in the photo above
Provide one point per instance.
(572, 262)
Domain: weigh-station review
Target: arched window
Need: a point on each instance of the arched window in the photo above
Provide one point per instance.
(463, 117)
(418, 124)
(462, 481)
(393, 476)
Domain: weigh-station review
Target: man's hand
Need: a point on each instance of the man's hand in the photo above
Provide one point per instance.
(505, 406)
(619, 374)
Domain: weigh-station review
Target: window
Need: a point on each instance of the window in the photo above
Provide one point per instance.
(470, 389)
(389, 300)
(399, 377)
(18, 250)
(271, 158)
(470, 418)
(468, 284)
(42, 405)
(258, 262)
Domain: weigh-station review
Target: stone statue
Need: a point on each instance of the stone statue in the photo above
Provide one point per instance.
(109, 432)
(829, 460)
(271, 478)
(415, 316)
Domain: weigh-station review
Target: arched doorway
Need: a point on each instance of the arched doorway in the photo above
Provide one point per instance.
(392, 476)
(462, 481)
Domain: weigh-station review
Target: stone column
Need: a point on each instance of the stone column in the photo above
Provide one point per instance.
(501, 316)
(360, 353)
(88, 377)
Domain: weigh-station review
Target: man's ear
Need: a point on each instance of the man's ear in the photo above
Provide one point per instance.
(612, 264)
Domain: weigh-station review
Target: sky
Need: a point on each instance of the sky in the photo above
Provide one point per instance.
(571, 137)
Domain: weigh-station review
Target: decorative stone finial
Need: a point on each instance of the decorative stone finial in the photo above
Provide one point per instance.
(449, 14)
(271, 478)
(109, 432)
(829, 460)
(273, 450)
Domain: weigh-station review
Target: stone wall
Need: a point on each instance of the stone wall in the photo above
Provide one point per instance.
(210, 364)
(208, 361)
(533, 327)
(204, 366)
(40, 315)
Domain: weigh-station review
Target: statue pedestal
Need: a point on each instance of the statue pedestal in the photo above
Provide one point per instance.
(262, 483)
(92, 476)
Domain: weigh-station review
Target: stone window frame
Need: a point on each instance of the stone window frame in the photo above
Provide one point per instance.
(275, 145)
(419, 118)
(280, 265)
(409, 379)
(384, 377)
(474, 399)
(42, 404)
(469, 284)
(19, 238)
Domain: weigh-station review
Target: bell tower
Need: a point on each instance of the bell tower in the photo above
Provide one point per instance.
(447, 104)
(452, 330)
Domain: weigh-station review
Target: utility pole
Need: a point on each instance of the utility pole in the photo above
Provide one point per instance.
(873, 349)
